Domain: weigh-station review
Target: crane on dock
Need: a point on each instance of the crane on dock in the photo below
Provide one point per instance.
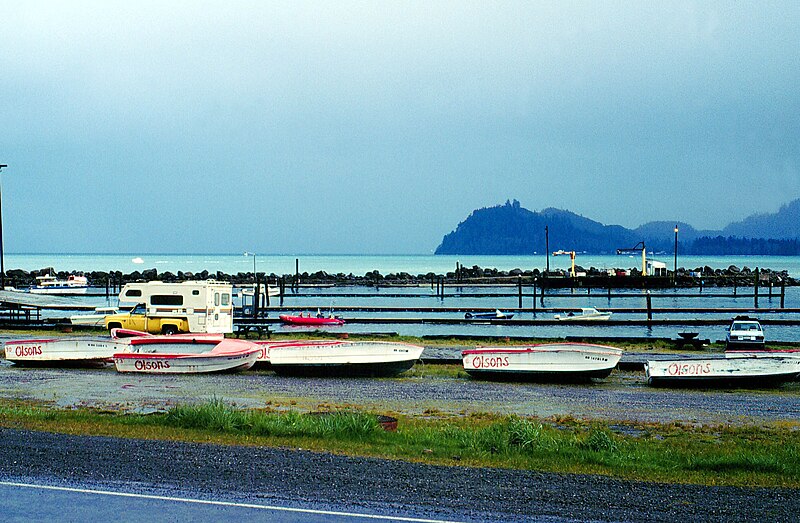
(571, 257)
(635, 249)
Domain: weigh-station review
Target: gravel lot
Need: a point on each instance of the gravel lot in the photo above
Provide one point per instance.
(623, 396)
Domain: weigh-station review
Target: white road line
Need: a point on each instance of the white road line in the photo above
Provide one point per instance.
(223, 503)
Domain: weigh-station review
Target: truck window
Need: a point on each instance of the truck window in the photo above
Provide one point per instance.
(166, 299)
(195, 293)
(133, 293)
(139, 309)
(226, 299)
(216, 299)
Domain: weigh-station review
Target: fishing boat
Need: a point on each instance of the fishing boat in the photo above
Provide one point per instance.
(586, 314)
(496, 315)
(550, 361)
(307, 319)
(77, 351)
(49, 284)
(185, 354)
(95, 319)
(340, 358)
(731, 370)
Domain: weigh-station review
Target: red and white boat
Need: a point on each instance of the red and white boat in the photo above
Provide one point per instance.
(745, 368)
(302, 319)
(73, 351)
(339, 358)
(551, 361)
(185, 354)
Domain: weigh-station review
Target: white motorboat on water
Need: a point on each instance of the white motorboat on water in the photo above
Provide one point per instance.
(185, 354)
(551, 361)
(339, 358)
(49, 284)
(751, 368)
(63, 351)
(496, 315)
(586, 314)
(94, 319)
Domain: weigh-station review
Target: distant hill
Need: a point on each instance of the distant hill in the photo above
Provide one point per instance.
(512, 229)
(782, 225)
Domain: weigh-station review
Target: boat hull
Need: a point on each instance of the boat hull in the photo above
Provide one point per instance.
(339, 358)
(547, 362)
(729, 371)
(184, 355)
(63, 351)
(309, 320)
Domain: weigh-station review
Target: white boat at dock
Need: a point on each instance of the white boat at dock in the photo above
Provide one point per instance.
(586, 314)
(75, 351)
(751, 369)
(551, 361)
(48, 284)
(185, 354)
(340, 358)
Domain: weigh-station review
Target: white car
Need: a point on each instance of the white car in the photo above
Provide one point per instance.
(744, 332)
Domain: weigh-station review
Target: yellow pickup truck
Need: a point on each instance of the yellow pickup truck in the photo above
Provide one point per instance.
(138, 319)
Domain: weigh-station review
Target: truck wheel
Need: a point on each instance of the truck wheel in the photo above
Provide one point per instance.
(169, 330)
(114, 325)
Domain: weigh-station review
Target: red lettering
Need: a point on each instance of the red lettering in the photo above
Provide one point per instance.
(142, 365)
(33, 350)
(494, 362)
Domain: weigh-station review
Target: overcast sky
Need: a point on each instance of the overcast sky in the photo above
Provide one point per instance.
(375, 127)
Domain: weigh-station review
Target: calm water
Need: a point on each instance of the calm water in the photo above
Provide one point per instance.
(360, 265)
(425, 297)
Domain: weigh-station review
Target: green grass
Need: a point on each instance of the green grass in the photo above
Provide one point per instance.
(766, 455)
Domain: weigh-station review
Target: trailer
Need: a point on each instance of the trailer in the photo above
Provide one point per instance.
(170, 308)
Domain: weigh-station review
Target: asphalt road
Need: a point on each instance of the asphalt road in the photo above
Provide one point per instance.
(323, 482)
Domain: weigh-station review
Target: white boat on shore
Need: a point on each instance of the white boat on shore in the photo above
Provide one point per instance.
(48, 284)
(340, 358)
(185, 354)
(731, 370)
(94, 319)
(551, 361)
(63, 351)
(586, 314)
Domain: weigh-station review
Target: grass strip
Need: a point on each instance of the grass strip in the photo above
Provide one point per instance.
(765, 456)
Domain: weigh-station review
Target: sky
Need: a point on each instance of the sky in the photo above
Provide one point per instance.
(376, 127)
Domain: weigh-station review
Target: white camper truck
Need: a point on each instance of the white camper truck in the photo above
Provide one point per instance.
(169, 308)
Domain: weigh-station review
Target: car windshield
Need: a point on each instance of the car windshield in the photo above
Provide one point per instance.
(746, 327)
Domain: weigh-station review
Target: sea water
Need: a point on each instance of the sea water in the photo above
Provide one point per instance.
(425, 296)
(359, 265)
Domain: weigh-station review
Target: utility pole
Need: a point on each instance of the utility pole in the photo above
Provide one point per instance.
(675, 266)
(2, 264)
(547, 247)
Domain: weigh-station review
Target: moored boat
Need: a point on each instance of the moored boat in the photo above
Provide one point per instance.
(341, 358)
(51, 285)
(496, 315)
(731, 370)
(302, 319)
(185, 354)
(76, 351)
(550, 361)
(586, 314)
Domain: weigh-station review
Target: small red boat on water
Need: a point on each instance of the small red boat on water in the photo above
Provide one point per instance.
(302, 319)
